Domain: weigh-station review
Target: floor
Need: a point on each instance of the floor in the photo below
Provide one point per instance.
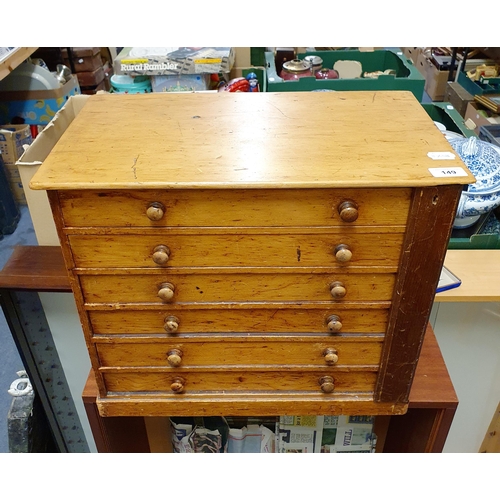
(10, 362)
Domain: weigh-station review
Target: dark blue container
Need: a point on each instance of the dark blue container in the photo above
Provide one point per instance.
(9, 210)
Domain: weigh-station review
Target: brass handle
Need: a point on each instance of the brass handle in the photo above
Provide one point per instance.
(174, 357)
(155, 211)
(333, 323)
(330, 355)
(171, 324)
(343, 253)
(327, 384)
(177, 385)
(348, 211)
(337, 289)
(161, 254)
(166, 292)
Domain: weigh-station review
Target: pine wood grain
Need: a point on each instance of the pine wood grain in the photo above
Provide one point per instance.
(245, 287)
(252, 319)
(243, 351)
(279, 250)
(261, 140)
(234, 207)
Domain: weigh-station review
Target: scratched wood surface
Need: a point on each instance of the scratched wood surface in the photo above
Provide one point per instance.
(302, 139)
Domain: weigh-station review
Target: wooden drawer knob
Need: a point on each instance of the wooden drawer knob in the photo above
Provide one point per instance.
(337, 289)
(327, 384)
(174, 357)
(333, 323)
(171, 324)
(155, 211)
(177, 385)
(330, 355)
(161, 254)
(348, 211)
(166, 292)
(342, 253)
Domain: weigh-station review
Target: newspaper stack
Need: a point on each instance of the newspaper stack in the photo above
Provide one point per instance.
(251, 439)
(325, 434)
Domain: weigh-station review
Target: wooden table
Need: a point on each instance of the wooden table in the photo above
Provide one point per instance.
(479, 271)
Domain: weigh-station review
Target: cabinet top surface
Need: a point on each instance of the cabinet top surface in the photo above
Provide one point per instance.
(243, 140)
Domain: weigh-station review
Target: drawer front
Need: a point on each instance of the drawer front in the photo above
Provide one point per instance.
(233, 208)
(269, 250)
(175, 288)
(193, 382)
(300, 319)
(239, 352)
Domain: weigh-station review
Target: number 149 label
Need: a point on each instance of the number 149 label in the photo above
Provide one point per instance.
(448, 172)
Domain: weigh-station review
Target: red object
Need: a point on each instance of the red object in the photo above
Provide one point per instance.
(34, 130)
(236, 85)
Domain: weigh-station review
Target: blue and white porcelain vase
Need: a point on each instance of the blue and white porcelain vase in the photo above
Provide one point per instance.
(483, 160)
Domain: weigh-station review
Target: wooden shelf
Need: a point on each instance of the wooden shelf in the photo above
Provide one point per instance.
(14, 59)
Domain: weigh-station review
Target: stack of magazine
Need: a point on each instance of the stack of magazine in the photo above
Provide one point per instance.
(285, 434)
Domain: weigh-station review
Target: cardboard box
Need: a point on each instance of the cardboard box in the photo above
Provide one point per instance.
(12, 140)
(456, 95)
(474, 117)
(154, 61)
(83, 58)
(35, 107)
(30, 161)
(412, 53)
(435, 80)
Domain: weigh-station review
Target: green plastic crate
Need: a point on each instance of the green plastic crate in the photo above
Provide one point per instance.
(445, 113)
(486, 237)
(407, 76)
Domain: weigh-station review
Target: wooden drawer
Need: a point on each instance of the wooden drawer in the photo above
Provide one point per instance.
(233, 287)
(234, 351)
(238, 250)
(234, 208)
(257, 319)
(237, 380)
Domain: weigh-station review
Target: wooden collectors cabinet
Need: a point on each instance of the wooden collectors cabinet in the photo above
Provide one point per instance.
(252, 254)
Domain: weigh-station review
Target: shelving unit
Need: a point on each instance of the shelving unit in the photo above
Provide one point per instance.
(14, 59)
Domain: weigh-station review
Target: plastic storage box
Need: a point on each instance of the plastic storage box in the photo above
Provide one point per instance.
(490, 133)
(485, 235)
(407, 76)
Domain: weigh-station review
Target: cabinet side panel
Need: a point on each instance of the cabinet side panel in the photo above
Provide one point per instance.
(429, 227)
(74, 280)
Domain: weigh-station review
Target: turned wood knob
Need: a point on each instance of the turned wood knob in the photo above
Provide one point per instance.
(177, 385)
(342, 253)
(166, 292)
(171, 324)
(327, 384)
(333, 323)
(348, 211)
(174, 357)
(155, 211)
(330, 355)
(337, 289)
(161, 254)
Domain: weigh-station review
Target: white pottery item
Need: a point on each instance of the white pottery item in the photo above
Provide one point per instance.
(483, 160)
(348, 69)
